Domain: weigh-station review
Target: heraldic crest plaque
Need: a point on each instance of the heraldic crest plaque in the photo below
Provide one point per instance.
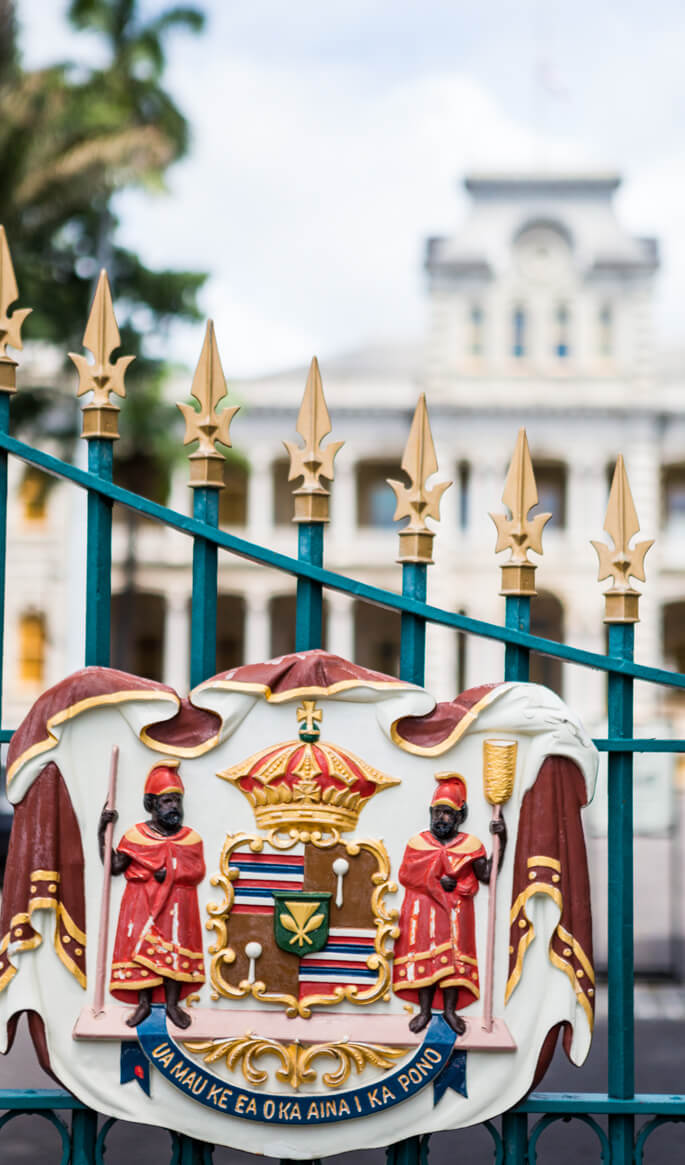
(314, 900)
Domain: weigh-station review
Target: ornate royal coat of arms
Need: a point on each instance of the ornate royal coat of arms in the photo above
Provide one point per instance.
(319, 910)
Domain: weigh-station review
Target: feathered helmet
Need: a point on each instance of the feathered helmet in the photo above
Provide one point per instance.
(164, 778)
(451, 791)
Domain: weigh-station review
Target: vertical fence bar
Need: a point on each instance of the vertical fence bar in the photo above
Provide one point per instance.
(84, 1128)
(309, 602)
(621, 602)
(518, 533)
(100, 420)
(413, 632)
(417, 503)
(311, 462)
(620, 879)
(517, 617)
(205, 590)
(99, 557)
(206, 426)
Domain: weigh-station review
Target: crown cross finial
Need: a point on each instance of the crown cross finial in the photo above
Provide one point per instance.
(206, 425)
(416, 502)
(519, 533)
(309, 718)
(620, 562)
(102, 377)
(312, 462)
(10, 325)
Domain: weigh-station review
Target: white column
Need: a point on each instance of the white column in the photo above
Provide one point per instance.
(177, 642)
(257, 629)
(260, 497)
(344, 501)
(340, 624)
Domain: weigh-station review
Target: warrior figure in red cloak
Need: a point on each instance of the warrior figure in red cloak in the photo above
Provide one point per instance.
(435, 955)
(158, 945)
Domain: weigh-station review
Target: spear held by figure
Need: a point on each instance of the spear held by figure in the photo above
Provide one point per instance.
(499, 771)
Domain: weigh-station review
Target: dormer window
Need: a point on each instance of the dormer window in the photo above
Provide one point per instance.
(562, 327)
(518, 332)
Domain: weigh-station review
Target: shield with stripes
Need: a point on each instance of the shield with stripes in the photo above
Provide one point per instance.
(300, 925)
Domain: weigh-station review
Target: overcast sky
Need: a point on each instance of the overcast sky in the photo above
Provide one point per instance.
(330, 138)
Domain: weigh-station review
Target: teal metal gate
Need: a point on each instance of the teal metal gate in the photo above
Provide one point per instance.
(516, 1141)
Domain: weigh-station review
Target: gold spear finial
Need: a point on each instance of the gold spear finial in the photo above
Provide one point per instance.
(415, 501)
(620, 562)
(10, 325)
(519, 533)
(311, 462)
(205, 425)
(101, 338)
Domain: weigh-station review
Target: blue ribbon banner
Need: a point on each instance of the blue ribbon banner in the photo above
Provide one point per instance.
(436, 1061)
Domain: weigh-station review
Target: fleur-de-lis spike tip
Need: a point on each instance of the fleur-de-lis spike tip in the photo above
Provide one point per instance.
(416, 502)
(101, 337)
(10, 325)
(519, 533)
(102, 377)
(205, 425)
(311, 462)
(620, 562)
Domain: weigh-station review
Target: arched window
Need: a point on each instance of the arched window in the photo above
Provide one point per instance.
(33, 492)
(32, 641)
(518, 332)
(550, 479)
(137, 628)
(230, 632)
(377, 638)
(233, 497)
(673, 498)
(605, 331)
(476, 319)
(562, 328)
(282, 492)
(376, 502)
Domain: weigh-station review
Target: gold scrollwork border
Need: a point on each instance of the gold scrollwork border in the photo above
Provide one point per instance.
(295, 1060)
(385, 919)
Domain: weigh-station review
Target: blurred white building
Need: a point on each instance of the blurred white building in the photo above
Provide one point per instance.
(539, 315)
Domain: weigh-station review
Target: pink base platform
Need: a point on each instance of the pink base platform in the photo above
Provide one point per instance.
(219, 1023)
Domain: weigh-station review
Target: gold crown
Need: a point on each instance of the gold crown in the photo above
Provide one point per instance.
(307, 783)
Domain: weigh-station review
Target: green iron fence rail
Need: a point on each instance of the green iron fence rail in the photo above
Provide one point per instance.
(517, 1144)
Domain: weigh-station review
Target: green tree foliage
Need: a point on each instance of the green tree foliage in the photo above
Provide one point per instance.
(71, 139)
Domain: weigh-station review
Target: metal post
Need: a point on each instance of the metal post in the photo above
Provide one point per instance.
(620, 932)
(309, 608)
(517, 618)
(413, 634)
(515, 1138)
(84, 1128)
(204, 600)
(99, 557)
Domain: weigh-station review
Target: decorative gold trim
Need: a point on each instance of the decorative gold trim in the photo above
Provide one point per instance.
(456, 733)
(75, 710)
(542, 860)
(553, 956)
(386, 930)
(61, 916)
(311, 462)
(314, 691)
(416, 502)
(296, 1061)
(621, 524)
